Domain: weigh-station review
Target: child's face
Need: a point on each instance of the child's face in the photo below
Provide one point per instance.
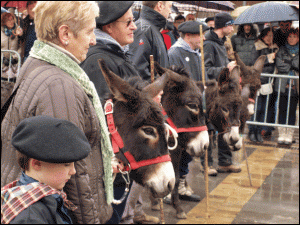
(56, 175)
(293, 39)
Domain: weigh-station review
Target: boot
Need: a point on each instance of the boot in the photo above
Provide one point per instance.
(258, 136)
(289, 136)
(229, 169)
(281, 135)
(185, 192)
(252, 137)
(211, 171)
(146, 219)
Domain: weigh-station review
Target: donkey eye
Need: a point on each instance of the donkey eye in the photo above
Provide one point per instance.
(193, 106)
(149, 131)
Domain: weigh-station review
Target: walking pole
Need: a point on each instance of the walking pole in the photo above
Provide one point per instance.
(206, 154)
(162, 216)
(152, 68)
(249, 175)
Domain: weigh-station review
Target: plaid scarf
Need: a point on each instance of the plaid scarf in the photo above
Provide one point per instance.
(14, 199)
(45, 52)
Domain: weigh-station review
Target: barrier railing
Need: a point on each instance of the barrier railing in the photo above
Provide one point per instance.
(7, 63)
(276, 124)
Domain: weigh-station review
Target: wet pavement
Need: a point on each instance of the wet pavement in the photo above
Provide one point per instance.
(273, 197)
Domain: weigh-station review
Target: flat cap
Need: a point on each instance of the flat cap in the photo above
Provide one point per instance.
(110, 11)
(50, 140)
(209, 19)
(192, 27)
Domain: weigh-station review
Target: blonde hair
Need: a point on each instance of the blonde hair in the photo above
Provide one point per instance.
(50, 15)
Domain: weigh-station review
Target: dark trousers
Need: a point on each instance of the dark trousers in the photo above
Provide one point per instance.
(184, 163)
(213, 137)
(260, 112)
(283, 103)
(224, 153)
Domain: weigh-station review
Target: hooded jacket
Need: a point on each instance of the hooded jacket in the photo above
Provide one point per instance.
(149, 41)
(215, 55)
(115, 57)
(181, 54)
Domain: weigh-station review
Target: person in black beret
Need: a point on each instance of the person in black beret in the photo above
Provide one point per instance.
(114, 32)
(177, 21)
(185, 53)
(46, 151)
(210, 21)
(216, 58)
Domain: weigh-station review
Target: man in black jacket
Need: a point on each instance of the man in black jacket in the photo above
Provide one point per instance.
(216, 59)
(147, 38)
(114, 31)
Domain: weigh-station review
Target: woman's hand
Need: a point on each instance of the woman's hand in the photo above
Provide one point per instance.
(18, 31)
(116, 165)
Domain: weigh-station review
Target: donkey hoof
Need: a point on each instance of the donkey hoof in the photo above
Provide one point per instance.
(181, 215)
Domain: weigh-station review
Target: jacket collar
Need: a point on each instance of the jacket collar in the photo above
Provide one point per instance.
(154, 17)
(184, 45)
(212, 36)
(259, 45)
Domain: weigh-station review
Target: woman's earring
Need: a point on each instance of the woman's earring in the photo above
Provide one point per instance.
(66, 43)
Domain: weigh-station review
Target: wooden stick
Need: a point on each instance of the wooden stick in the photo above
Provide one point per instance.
(206, 153)
(162, 216)
(152, 68)
(249, 175)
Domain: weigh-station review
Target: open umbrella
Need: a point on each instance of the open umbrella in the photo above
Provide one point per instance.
(219, 5)
(268, 12)
(238, 11)
(20, 5)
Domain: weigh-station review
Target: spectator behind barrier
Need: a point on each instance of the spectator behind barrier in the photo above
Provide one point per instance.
(287, 62)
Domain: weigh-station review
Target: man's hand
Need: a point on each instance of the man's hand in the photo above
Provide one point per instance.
(18, 31)
(231, 65)
(116, 165)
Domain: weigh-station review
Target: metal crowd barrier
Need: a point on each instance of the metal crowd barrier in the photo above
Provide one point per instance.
(10, 64)
(276, 124)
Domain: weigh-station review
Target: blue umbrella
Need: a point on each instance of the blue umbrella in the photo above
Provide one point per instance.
(268, 12)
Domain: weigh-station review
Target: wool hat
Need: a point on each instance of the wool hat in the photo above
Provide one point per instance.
(110, 11)
(192, 27)
(209, 19)
(50, 140)
(223, 20)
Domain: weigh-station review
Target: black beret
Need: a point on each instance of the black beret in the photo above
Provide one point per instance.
(192, 27)
(209, 19)
(223, 20)
(111, 11)
(50, 140)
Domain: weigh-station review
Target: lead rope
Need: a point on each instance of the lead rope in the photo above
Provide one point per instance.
(175, 135)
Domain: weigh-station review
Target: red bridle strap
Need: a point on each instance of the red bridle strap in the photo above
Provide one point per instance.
(134, 164)
(117, 142)
(182, 130)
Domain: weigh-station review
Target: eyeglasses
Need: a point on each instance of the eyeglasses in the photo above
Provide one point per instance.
(128, 22)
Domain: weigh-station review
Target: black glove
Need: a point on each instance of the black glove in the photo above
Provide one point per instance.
(295, 68)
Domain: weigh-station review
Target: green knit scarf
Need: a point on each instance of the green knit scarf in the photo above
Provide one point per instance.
(45, 52)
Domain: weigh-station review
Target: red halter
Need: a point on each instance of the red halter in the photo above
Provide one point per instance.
(117, 143)
(182, 130)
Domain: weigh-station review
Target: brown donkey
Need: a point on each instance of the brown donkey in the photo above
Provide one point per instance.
(140, 125)
(182, 102)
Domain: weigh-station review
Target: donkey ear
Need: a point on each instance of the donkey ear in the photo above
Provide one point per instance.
(158, 85)
(224, 76)
(121, 90)
(235, 74)
(259, 63)
(160, 70)
(245, 91)
(200, 86)
(240, 63)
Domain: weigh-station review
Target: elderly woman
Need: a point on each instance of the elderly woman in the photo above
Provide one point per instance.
(52, 83)
(264, 46)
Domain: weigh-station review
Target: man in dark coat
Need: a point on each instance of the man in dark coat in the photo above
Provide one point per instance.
(216, 59)
(185, 51)
(147, 38)
(280, 35)
(113, 34)
(114, 31)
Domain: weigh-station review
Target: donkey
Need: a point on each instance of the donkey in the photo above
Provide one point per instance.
(250, 75)
(182, 102)
(224, 104)
(140, 124)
